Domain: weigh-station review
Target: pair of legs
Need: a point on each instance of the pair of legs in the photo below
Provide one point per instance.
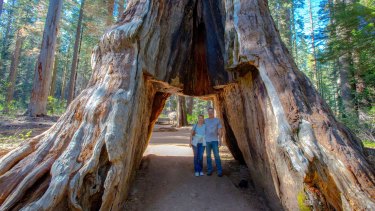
(198, 157)
(214, 146)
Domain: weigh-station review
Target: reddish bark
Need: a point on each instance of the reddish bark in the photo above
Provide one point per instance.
(43, 71)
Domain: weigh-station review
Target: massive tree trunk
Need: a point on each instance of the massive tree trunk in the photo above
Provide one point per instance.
(73, 69)
(44, 65)
(13, 69)
(299, 156)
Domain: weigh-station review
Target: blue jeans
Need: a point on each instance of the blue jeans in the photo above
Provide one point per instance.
(213, 145)
(198, 157)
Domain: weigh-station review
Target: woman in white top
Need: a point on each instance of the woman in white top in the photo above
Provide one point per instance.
(198, 142)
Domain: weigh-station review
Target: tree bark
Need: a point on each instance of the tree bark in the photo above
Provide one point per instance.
(299, 156)
(294, 33)
(55, 70)
(181, 111)
(346, 95)
(286, 24)
(63, 81)
(1, 7)
(110, 9)
(44, 65)
(345, 74)
(13, 69)
(312, 34)
(189, 105)
(120, 9)
(73, 69)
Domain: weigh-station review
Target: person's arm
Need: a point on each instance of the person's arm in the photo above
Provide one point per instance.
(220, 136)
(191, 135)
(191, 138)
(220, 131)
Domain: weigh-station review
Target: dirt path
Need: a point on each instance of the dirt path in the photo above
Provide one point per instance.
(165, 180)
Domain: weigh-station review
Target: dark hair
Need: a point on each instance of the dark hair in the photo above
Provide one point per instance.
(210, 108)
(202, 117)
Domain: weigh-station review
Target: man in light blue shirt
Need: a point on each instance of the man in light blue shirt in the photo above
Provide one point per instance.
(213, 138)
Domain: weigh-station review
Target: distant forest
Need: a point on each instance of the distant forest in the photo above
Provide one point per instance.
(332, 42)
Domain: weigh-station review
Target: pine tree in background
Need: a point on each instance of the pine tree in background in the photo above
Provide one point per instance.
(44, 65)
(73, 69)
(331, 41)
(13, 69)
(120, 8)
(110, 9)
(1, 6)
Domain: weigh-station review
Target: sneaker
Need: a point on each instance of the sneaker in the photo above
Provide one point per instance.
(209, 173)
(201, 174)
(197, 174)
(220, 174)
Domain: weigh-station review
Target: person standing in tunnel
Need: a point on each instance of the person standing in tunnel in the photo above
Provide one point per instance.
(214, 133)
(198, 143)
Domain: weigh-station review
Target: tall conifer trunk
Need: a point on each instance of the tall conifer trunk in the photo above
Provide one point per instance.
(44, 65)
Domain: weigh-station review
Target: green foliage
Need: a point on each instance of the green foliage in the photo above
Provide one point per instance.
(25, 135)
(369, 144)
(30, 15)
(192, 119)
(163, 116)
(14, 107)
(301, 198)
(2, 101)
(341, 28)
(55, 106)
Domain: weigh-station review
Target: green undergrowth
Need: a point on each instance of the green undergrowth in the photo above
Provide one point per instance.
(369, 144)
(301, 202)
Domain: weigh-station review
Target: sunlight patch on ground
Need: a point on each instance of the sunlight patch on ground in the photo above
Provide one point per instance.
(169, 150)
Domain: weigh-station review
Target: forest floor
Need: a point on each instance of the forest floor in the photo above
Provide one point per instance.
(165, 179)
(14, 130)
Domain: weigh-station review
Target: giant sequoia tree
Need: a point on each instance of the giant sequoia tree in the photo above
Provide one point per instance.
(274, 119)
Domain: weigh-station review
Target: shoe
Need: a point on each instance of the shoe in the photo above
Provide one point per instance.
(220, 174)
(209, 173)
(201, 174)
(197, 174)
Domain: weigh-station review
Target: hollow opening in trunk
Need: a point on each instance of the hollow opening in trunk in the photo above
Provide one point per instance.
(243, 109)
(168, 156)
(181, 112)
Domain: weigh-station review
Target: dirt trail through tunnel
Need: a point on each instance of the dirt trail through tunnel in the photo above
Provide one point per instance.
(165, 180)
